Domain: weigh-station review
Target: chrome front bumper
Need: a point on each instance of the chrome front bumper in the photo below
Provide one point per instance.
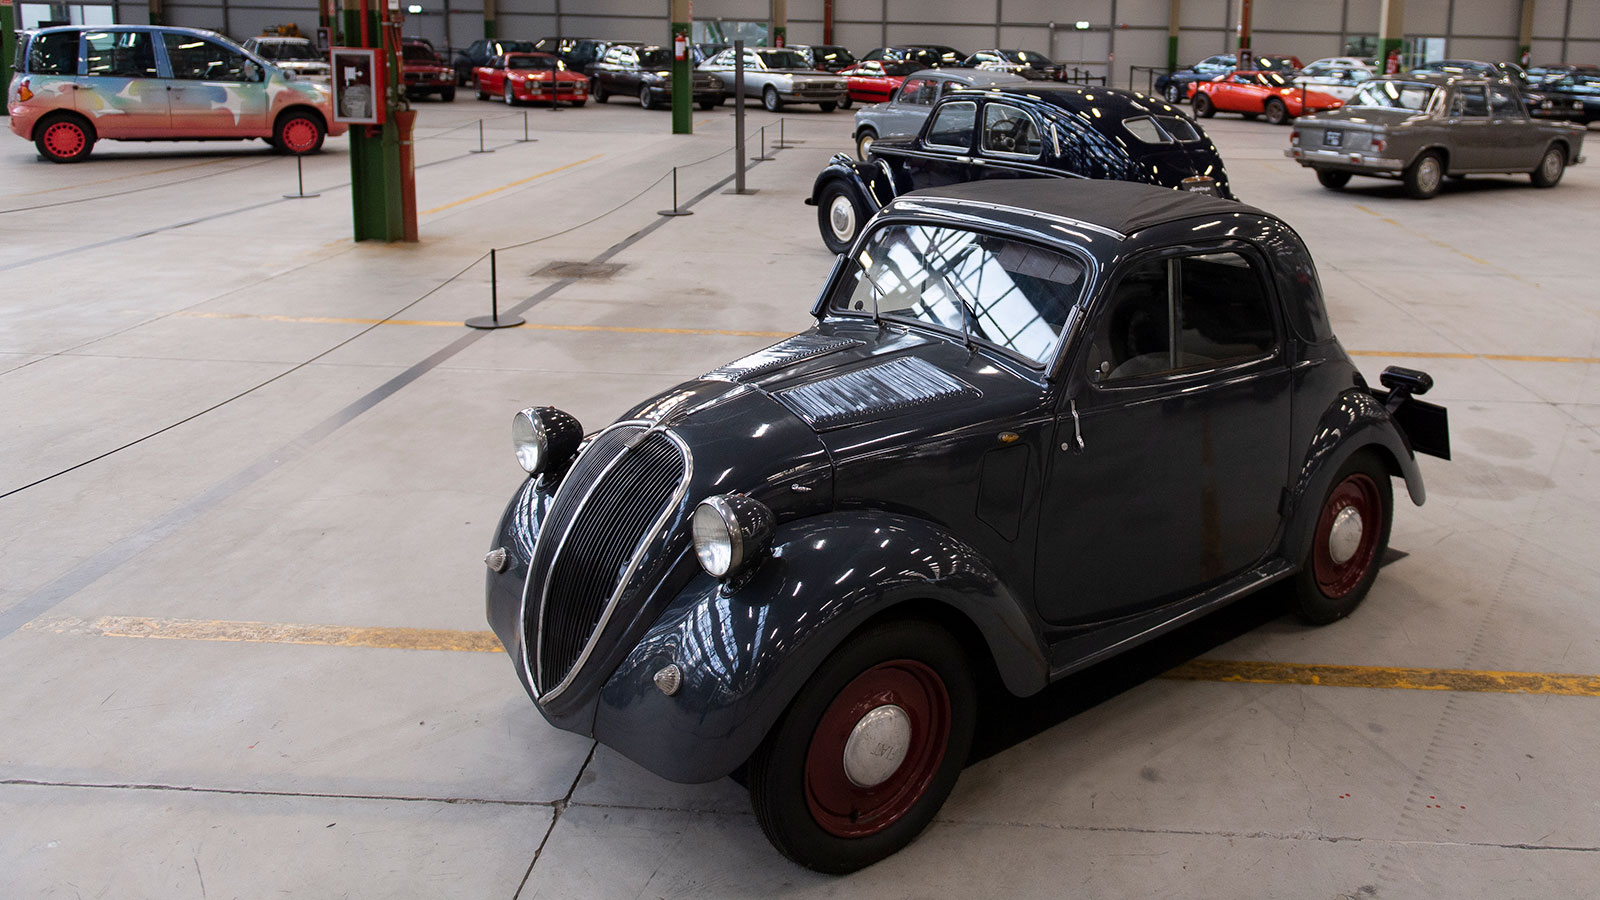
(1366, 162)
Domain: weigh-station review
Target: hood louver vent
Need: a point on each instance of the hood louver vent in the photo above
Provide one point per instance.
(785, 352)
(872, 392)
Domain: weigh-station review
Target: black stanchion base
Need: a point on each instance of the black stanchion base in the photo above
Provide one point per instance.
(745, 191)
(300, 196)
(480, 151)
(674, 212)
(524, 141)
(490, 322)
(762, 158)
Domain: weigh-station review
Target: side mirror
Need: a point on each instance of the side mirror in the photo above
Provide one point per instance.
(252, 71)
(1411, 381)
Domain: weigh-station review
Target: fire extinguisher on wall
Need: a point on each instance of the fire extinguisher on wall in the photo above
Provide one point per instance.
(680, 47)
(1391, 65)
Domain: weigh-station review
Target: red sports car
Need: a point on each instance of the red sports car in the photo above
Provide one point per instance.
(424, 72)
(876, 80)
(518, 77)
(1266, 94)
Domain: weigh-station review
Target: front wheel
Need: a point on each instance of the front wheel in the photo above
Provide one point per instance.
(1277, 113)
(864, 143)
(869, 750)
(1332, 179)
(646, 99)
(1203, 107)
(1423, 177)
(482, 94)
(708, 104)
(299, 133)
(771, 100)
(840, 214)
(510, 98)
(597, 90)
(1174, 92)
(448, 95)
(1351, 535)
(64, 138)
(1550, 168)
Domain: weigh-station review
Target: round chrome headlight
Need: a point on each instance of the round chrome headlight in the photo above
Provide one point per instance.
(544, 438)
(730, 530)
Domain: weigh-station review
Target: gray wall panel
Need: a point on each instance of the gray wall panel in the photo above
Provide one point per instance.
(1583, 51)
(1285, 15)
(1362, 16)
(1139, 12)
(1432, 16)
(1014, 37)
(1491, 49)
(1585, 24)
(1306, 46)
(966, 39)
(939, 13)
(1549, 16)
(1207, 14)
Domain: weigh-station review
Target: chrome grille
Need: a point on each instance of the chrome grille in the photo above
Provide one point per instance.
(605, 510)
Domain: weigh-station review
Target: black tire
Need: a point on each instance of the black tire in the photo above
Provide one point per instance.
(1173, 92)
(64, 137)
(840, 214)
(864, 141)
(827, 106)
(1336, 574)
(1276, 112)
(1551, 165)
(1332, 179)
(708, 104)
(847, 102)
(481, 94)
(579, 102)
(1203, 107)
(597, 90)
(805, 798)
(646, 99)
(1423, 176)
(299, 133)
(448, 95)
(770, 99)
(507, 95)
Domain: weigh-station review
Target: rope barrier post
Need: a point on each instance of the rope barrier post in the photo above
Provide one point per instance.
(783, 142)
(525, 139)
(763, 157)
(738, 121)
(480, 140)
(300, 178)
(675, 211)
(493, 320)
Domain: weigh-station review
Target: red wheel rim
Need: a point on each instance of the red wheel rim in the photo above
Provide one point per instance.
(299, 135)
(65, 139)
(840, 806)
(1341, 562)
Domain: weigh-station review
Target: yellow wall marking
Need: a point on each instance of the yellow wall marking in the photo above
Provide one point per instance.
(1472, 680)
(613, 329)
(507, 187)
(1387, 677)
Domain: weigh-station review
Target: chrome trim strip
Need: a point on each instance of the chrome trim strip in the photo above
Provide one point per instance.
(651, 534)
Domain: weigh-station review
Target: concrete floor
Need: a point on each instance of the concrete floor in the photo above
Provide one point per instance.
(250, 447)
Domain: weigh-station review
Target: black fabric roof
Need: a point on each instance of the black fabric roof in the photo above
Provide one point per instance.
(1121, 206)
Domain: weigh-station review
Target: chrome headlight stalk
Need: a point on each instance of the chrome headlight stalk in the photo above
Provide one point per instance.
(545, 439)
(731, 531)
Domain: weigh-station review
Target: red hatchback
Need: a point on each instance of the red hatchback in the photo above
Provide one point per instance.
(518, 77)
(876, 80)
(1266, 94)
(424, 72)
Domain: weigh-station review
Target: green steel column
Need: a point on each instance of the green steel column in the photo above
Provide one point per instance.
(1525, 32)
(682, 70)
(780, 23)
(1174, 14)
(375, 194)
(1391, 30)
(491, 29)
(8, 47)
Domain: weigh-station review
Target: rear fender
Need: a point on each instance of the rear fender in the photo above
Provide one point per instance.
(744, 652)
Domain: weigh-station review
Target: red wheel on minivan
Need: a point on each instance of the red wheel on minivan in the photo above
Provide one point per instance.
(64, 139)
(299, 133)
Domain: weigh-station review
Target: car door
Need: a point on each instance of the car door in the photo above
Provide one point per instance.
(1469, 133)
(491, 76)
(1171, 450)
(1517, 142)
(1010, 144)
(943, 153)
(216, 91)
(120, 89)
(909, 109)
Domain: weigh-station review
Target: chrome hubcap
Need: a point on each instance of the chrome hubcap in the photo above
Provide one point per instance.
(877, 746)
(1428, 175)
(1344, 538)
(842, 218)
(1552, 164)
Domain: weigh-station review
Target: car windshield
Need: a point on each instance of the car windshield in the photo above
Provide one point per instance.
(1006, 293)
(654, 58)
(782, 59)
(1272, 79)
(501, 47)
(900, 68)
(295, 51)
(1028, 57)
(834, 56)
(1393, 95)
(417, 53)
(530, 62)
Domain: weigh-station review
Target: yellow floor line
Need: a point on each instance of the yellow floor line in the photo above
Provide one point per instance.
(1221, 670)
(507, 187)
(1440, 244)
(613, 329)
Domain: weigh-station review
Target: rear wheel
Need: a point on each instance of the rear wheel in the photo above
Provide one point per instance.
(869, 750)
(840, 214)
(64, 138)
(1277, 113)
(1422, 178)
(597, 90)
(847, 102)
(299, 133)
(1352, 532)
(1174, 92)
(1203, 107)
(1333, 180)
(1550, 168)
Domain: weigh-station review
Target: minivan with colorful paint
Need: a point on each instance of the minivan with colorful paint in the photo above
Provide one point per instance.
(77, 85)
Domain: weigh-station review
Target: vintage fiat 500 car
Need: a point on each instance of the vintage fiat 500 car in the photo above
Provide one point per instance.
(1036, 423)
(1421, 127)
(1027, 131)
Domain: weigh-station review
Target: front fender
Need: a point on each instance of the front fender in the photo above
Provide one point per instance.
(869, 179)
(744, 653)
(1355, 421)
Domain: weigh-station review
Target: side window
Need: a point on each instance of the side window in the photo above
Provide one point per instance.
(197, 59)
(1182, 313)
(1007, 129)
(911, 91)
(1503, 104)
(1469, 101)
(120, 54)
(612, 56)
(953, 125)
(55, 53)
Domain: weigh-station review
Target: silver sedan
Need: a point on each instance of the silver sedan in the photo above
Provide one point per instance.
(778, 75)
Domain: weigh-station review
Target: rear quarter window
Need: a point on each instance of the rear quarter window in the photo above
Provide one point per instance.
(54, 53)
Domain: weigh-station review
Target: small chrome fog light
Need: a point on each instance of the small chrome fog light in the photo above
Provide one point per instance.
(669, 679)
(496, 559)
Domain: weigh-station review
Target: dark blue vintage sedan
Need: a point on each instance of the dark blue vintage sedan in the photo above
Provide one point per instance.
(1036, 423)
(1020, 131)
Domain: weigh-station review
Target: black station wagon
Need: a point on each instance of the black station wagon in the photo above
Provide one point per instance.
(1021, 131)
(1036, 424)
